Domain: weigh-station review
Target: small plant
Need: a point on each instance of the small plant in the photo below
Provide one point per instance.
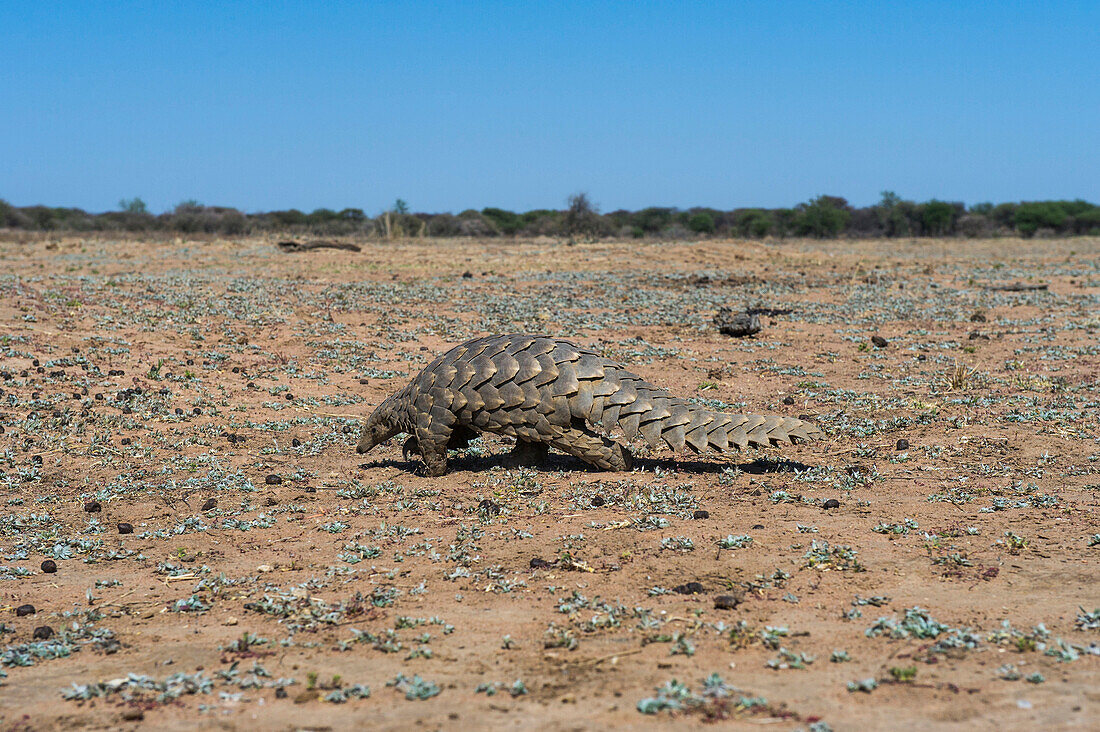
(903, 674)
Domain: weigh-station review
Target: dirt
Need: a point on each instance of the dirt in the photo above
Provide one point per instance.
(208, 393)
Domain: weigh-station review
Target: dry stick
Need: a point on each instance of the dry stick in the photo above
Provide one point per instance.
(608, 657)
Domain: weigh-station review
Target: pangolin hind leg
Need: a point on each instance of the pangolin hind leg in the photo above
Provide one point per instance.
(596, 450)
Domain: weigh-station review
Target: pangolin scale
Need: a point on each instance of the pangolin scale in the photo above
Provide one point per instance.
(547, 392)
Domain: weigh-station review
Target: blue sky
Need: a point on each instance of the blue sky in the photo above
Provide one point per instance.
(453, 105)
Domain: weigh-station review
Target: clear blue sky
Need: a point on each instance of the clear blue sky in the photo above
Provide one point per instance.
(453, 105)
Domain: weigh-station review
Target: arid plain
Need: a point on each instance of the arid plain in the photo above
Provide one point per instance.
(188, 539)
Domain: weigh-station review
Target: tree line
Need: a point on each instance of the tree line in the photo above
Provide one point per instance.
(821, 217)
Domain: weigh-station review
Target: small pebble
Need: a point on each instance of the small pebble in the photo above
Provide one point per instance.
(903, 444)
(758, 526)
(43, 632)
(209, 503)
(726, 602)
(49, 566)
(788, 400)
(273, 479)
(689, 588)
(92, 507)
(24, 610)
(832, 503)
(701, 514)
(879, 342)
(125, 528)
(488, 507)
(598, 500)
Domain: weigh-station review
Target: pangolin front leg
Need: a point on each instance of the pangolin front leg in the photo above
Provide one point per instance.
(546, 392)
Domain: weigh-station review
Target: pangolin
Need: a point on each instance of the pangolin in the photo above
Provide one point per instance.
(548, 392)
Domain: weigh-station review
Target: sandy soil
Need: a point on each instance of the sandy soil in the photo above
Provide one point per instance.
(207, 393)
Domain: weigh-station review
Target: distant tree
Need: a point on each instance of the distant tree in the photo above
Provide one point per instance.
(1030, 217)
(754, 222)
(982, 209)
(652, 220)
(701, 223)
(189, 205)
(938, 218)
(354, 215)
(133, 205)
(508, 222)
(400, 206)
(823, 217)
(581, 216)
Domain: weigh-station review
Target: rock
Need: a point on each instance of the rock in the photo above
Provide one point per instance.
(831, 503)
(977, 336)
(92, 507)
(43, 632)
(689, 588)
(737, 325)
(306, 696)
(978, 317)
(265, 568)
(125, 528)
(757, 526)
(879, 342)
(727, 602)
(133, 715)
(230, 620)
(49, 566)
(489, 508)
(539, 563)
(598, 500)
(24, 610)
(788, 400)
(209, 504)
(701, 514)
(903, 444)
(273, 479)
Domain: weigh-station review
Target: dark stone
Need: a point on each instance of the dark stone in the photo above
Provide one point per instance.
(689, 588)
(364, 382)
(289, 397)
(196, 410)
(598, 500)
(831, 503)
(727, 602)
(903, 444)
(310, 489)
(125, 528)
(295, 442)
(125, 440)
(758, 526)
(737, 325)
(788, 400)
(978, 317)
(209, 504)
(179, 411)
(24, 610)
(701, 514)
(489, 508)
(346, 430)
(49, 566)
(467, 275)
(879, 342)
(539, 563)
(273, 479)
(280, 693)
(43, 632)
(976, 336)
(132, 715)
(92, 507)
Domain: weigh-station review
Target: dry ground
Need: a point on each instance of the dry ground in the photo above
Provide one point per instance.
(208, 394)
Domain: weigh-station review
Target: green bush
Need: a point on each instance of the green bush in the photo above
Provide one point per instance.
(701, 223)
(1030, 217)
(823, 217)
